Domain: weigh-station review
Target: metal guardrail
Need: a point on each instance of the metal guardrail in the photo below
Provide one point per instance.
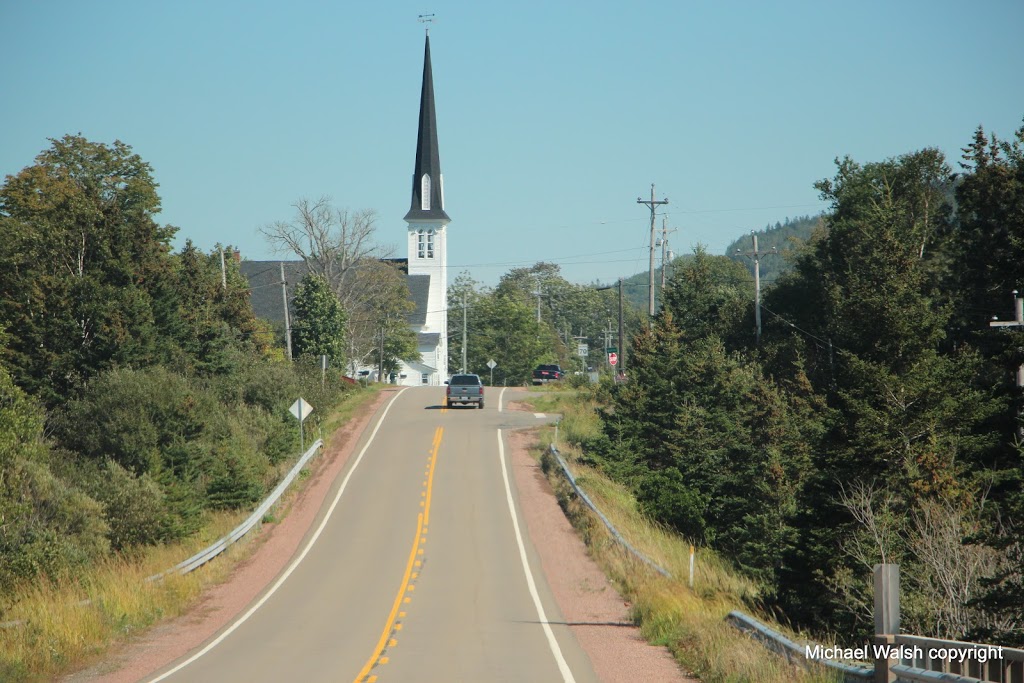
(948, 660)
(794, 652)
(204, 556)
(611, 528)
(909, 674)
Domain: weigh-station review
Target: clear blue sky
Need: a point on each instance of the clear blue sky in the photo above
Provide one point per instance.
(553, 117)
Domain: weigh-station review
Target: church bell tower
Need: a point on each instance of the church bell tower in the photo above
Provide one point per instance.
(428, 232)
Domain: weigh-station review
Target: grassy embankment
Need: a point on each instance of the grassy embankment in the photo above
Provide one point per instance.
(70, 622)
(691, 623)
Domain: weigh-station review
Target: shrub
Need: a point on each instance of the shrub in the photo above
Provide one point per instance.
(136, 417)
(133, 506)
(58, 529)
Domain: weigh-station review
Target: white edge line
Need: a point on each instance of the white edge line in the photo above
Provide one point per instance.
(563, 667)
(295, 563)
(501, 398)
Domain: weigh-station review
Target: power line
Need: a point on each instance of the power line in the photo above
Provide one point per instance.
(827, 343)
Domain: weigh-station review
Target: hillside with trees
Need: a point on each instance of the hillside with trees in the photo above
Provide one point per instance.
(878, 419)
(784, 238)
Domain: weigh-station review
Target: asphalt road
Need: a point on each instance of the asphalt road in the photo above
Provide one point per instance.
(415, 569)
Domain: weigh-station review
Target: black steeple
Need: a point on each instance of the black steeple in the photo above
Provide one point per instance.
(428, 161)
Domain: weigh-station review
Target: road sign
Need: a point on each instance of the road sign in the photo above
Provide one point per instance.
(301, 410)
(582, 350)
(612, 349)
(613, 358)
(491, 364)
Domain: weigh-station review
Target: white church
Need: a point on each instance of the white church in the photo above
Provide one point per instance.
(427, 263)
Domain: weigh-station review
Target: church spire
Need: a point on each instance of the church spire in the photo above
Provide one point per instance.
(427, 191)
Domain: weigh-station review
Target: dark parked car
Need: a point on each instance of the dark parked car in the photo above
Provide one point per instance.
(547, 373)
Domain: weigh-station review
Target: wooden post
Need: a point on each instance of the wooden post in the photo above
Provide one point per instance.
(887, 618)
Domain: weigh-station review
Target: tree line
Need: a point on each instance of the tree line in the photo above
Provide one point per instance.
(532, 316)
(138, 392)
(878, 420)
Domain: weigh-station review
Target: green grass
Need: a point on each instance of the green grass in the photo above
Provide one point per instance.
(691, 623)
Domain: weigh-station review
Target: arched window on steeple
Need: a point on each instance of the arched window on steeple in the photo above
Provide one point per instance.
(425, 192)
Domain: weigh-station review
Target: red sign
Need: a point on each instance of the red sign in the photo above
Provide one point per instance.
(613, 358)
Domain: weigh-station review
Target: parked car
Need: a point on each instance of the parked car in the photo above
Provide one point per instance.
(465, 389)
(547, 373)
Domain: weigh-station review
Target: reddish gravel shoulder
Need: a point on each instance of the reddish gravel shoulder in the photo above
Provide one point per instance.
(597, 614)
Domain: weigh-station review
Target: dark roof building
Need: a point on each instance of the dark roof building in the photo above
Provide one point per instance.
(268, 303)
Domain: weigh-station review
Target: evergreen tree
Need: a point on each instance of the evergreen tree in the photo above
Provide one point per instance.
(319, 327)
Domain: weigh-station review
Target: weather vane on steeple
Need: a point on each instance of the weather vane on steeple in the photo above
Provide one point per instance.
(427, 19)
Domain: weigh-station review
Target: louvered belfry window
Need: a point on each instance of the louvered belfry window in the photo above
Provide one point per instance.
(425, 243)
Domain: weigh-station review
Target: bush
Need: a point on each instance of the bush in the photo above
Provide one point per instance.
(578, 381)
(47, 527)
(58, 529)
(665, 497)
(136, 418)
(134, 507)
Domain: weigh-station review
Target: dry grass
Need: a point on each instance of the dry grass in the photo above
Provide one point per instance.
(71, 621)
(690, 622)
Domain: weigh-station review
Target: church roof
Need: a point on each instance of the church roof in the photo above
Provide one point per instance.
(428, 160)
(265, 289)
(265, 286)
(419, 292)
(428, 339)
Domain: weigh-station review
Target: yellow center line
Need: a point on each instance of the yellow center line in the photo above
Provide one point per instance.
(422, 519)
(395, 607)
(430, 478)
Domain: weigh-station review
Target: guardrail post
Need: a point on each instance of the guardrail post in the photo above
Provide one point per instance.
(887, 620)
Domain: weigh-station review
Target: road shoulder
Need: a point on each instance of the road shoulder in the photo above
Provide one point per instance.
(596, 613)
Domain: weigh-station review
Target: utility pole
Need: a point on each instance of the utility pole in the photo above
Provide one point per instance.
(665, 253)
(622, 347)
(223, 270)
(538, 293)
(756, 255)
(463, 332)
(287, 323)
(380, 356)
(1018, 310)
(622, 339)
(653, 206)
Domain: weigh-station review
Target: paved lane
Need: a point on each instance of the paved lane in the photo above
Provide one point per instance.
(416, 575)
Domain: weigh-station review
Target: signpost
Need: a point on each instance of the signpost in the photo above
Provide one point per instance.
(301, 410)
(491, 364)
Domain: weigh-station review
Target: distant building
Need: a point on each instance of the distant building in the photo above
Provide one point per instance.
(426, 266)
